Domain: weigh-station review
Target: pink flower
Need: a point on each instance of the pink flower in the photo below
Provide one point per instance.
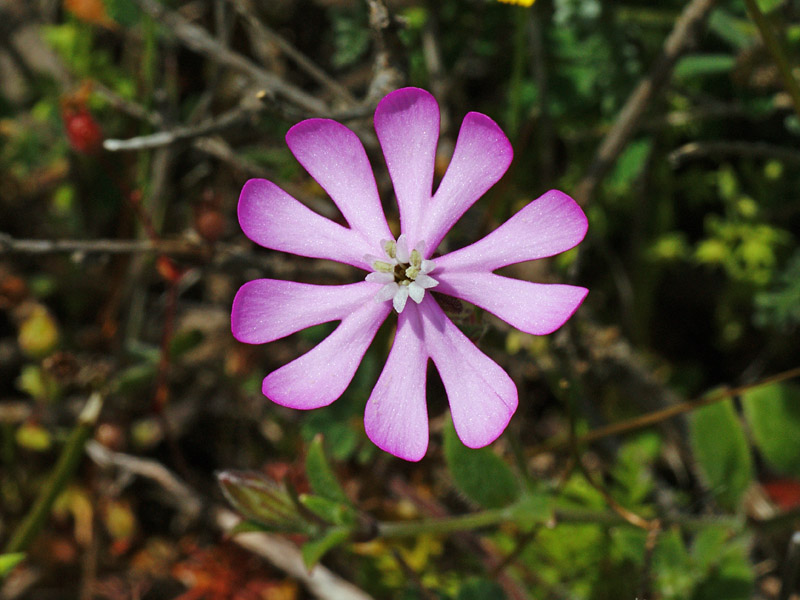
(482, 396)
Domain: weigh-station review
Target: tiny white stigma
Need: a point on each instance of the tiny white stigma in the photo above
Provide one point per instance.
(403, 274)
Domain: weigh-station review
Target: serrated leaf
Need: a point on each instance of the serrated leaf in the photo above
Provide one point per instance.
(480, 474)
(9, 561)
(315, 549)
(721, 449)
(773, 413)
(321, 478)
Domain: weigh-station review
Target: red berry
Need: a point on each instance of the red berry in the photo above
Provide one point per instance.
(83, 132)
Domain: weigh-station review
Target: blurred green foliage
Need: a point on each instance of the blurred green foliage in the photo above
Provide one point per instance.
(691, 261)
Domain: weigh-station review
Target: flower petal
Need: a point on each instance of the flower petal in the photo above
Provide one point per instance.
(482, 396)
(537, 308)
(481, 157)
(272, 218)
(377, 277)
(407, 124)
(387, 292)
(400, 298)
(549, 225)
(322, 374)
(416, 291)
(269, 309)
(396, 418)
(334, 156)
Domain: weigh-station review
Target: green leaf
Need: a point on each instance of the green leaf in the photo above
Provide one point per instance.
(630, 165)
(773, 413)
(315, 549)
(721, 449)
(248, 526)
(184, 341)
(321, 478)
(739, 33)
(701, 65)
(532, 509)
(675, 576)
(124, 12)
(328, 510)
(480, 474)
(9, 561)
(480, 589)
(767, 6)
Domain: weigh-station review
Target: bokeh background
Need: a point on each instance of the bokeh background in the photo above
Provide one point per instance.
(127, 129)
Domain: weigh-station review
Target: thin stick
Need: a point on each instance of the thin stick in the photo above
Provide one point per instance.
(775, 48)
(201, 41)
(245, 9)
(758, 150)
(227, 120)
(792, 567)
(662, 415)
(630, 116)
(386, 76)
(65, 467)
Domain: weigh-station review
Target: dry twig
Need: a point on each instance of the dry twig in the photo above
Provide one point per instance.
(629, 118)
(201, 41)
(320, 581)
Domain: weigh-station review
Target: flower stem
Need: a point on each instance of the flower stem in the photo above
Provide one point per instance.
(63, 471)
(445, 525)
(774, 46)
(486, 518)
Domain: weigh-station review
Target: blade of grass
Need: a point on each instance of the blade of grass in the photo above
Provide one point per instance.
(62, 473)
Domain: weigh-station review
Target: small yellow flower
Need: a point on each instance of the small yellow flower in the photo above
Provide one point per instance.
(520, 2)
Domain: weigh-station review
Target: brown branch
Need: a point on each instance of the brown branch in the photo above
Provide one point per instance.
(246, 9)
(662, 415)
(629, 118)
(233, 118)
(758, 150)
(273, 264)
(10, 245)
(387, 75)
(199, 40)
(776, 50)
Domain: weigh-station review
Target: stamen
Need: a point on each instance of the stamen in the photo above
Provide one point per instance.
(390, 247)
(383, 267)
(416, 258)
(403, 274)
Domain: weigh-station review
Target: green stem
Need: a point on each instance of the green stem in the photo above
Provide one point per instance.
(444, 525)
(572, 516)
(517, 71)
(775, 48)
(63, 471)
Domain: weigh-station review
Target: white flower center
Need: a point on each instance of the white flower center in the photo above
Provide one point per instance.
(401, 272)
